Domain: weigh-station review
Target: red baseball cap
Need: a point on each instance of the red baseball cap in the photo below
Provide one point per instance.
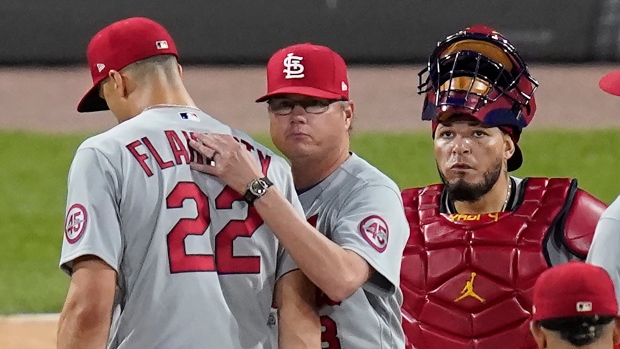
(574, 289)
(309, 70)
(119, 45)
(610, 83)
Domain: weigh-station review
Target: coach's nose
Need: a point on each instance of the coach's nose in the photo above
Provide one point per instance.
(298, 115)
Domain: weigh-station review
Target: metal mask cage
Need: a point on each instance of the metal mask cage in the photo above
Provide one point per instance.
(468, 74)
(516, 84)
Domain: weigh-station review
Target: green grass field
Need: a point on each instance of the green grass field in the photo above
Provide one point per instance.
(33, 184)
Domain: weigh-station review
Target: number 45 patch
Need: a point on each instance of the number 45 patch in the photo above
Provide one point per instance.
(375, 231)
(75, 223)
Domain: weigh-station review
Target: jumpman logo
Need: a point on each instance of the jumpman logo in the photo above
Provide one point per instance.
(468, 290)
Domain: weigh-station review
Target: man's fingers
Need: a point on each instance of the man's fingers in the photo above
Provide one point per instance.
(208, 169)
(221, 142)
(215, 146)
(215, 141)
(202, 137)
(208, 152)
(202, 148)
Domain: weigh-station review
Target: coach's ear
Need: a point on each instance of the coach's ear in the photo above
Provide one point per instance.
(180, 69)
(349, 114)
(539, 335)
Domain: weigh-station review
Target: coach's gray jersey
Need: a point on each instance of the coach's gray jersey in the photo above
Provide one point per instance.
(605, 248)
(361, 209)
(196, 267)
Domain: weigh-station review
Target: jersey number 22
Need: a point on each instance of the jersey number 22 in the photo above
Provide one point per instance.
(222, 260)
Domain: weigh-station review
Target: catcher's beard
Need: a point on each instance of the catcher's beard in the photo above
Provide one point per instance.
(461, 190)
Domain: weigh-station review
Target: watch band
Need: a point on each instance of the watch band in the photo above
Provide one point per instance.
(257, 188)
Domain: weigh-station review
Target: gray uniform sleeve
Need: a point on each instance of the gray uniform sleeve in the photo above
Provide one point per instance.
(91, 220)
(372, 224)
(284, 183)
(605, 248)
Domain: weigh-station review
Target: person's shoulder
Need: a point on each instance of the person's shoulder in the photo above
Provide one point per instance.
(579, 200)
(212, 124)
(547, 186)
(108, 139)
(367, 174)
(243, 137)
(580, 214)
(261, 150)
(141, 125)
(100, 141)
(101, 149)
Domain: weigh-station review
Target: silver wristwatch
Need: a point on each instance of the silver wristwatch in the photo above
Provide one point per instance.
(256, 189)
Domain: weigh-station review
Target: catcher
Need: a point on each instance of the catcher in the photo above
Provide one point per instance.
(481, 237)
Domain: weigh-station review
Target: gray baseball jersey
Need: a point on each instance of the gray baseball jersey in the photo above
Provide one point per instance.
(605, 248)
(361, 209)
(196, 266)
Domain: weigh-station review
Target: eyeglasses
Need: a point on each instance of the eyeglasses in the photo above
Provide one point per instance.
(311, 106)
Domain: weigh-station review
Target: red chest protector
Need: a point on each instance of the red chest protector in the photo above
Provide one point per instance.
(467, 279)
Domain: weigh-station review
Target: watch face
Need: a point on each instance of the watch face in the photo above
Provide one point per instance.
(258, 187)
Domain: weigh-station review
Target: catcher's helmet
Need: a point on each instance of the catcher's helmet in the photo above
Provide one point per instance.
(478, 72)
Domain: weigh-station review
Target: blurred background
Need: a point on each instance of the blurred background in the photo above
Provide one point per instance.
(569, 45)
(364, 31)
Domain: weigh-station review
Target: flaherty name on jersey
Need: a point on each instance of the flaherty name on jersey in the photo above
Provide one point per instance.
(181, 153)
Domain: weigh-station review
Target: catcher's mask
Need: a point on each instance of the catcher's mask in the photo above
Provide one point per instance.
(478, 72)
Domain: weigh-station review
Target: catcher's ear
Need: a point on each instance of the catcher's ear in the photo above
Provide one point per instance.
(510, 146)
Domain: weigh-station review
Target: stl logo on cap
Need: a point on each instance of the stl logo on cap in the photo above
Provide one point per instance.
(293, 67)
(308, 70)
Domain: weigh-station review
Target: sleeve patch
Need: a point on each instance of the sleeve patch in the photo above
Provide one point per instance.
(375, 231)
(75, 223)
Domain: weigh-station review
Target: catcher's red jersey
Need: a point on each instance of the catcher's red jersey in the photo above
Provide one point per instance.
(467, 279)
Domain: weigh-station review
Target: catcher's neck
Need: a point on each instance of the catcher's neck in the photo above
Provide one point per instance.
(496, 200)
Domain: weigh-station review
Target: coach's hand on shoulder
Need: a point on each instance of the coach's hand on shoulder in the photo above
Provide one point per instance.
(230, 160)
